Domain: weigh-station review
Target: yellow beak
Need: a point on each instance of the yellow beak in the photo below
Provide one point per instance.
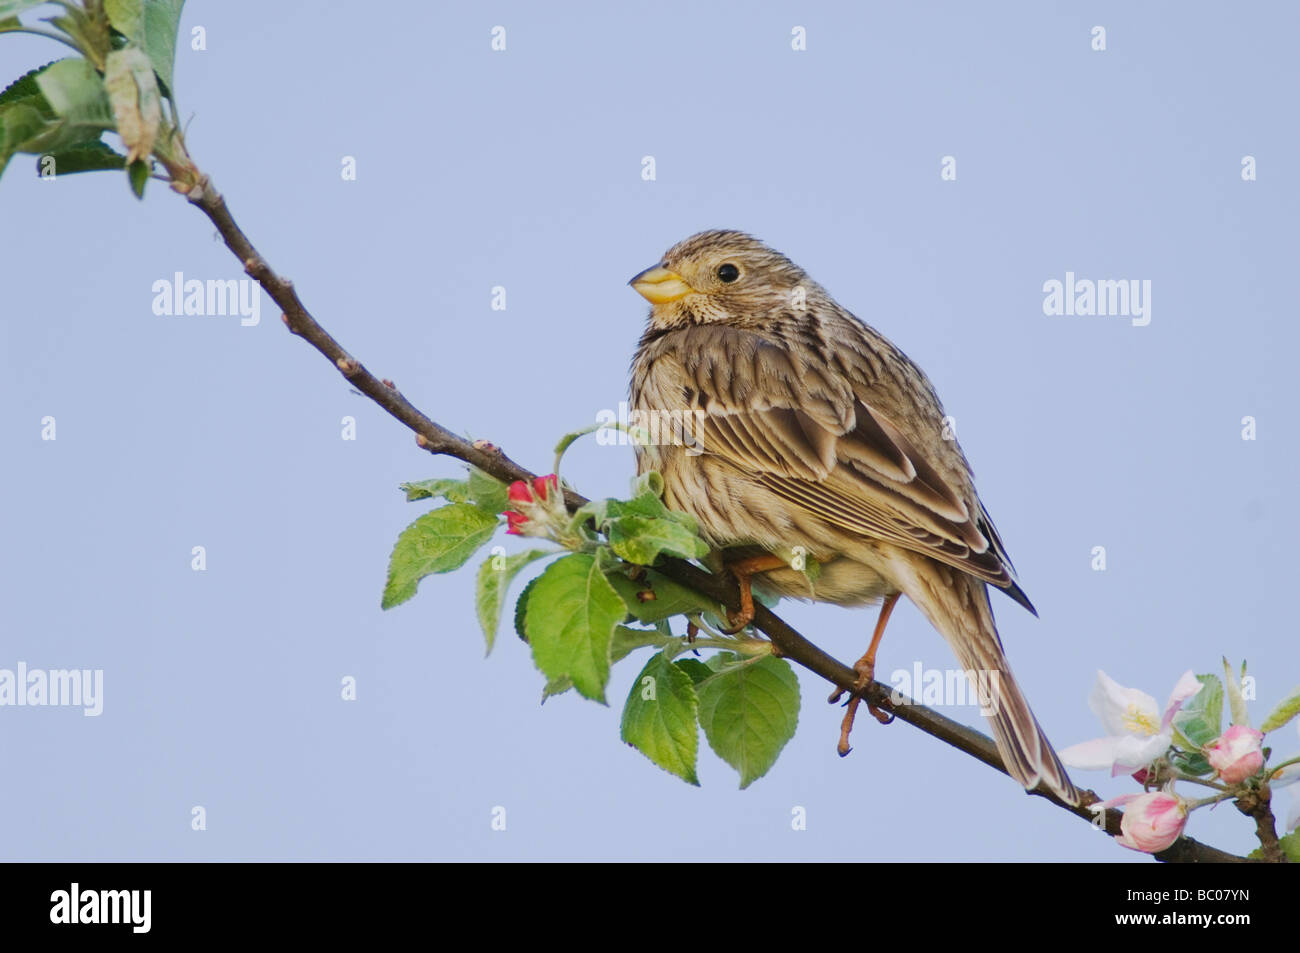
(658, 285)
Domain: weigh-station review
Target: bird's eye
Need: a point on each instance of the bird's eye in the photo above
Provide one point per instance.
(728, 273)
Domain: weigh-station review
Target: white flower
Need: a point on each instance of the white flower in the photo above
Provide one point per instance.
(1136, 731)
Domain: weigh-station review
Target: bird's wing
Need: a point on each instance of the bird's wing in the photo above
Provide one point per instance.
(811, 434)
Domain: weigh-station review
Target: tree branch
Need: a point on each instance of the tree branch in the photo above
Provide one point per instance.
(490, 459)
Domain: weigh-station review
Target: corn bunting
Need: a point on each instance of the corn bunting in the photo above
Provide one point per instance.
(805, 433)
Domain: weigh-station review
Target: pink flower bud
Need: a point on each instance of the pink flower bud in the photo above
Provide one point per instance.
(519, 492)
(516, 522)
(1236, 754)
(1152, 822)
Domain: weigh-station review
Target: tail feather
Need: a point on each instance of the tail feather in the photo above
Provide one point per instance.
(958, 606)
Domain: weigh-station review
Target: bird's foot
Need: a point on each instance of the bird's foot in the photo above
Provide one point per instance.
(866, 671)
(744, 571)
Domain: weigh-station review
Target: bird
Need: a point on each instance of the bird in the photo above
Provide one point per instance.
(800, 430)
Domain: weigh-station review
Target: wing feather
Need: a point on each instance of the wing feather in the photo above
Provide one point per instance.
(818, 438)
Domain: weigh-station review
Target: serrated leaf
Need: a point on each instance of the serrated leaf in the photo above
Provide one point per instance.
(137, 104)
(453, 491)
(556, 686)
(749, 712)
(624, 642)
(93, 156)
(641, 540)
(521, 609)
(1286, 709)
(25, 87)
(76, 94)
(670, 599)
(1199, 721)
(494, 578)
(570, 617)
(660, 718)
(487, 493)
(439, 541)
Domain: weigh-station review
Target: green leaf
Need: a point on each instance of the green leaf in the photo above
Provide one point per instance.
(20, 124)
(87, 27)
(570, 618)
(556, 686)
(625, 641)
(660, 718)
(439, 541)
(60, 105)
(749, 711)
(1290, 845)
(137, 175)
(77, 96)
(521, 611)
(567, 441)
(494, 578)
(487, 493)
(1193, 763)
(650, 483)
(25, 87)
(640, 540)
(93, 156)
(649, 504)
(453, 491)
(670, 599)
(696, 669)
(152, 26)
(124, 16)
(1198, 723)
(1287, 709)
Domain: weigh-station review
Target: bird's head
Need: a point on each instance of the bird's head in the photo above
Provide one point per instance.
(721, 277)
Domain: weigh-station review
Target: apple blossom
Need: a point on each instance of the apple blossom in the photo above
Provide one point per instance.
(1136, 731)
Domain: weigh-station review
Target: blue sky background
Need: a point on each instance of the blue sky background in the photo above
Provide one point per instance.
(523, 169)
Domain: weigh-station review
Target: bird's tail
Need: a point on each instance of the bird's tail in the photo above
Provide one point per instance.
(958, 606)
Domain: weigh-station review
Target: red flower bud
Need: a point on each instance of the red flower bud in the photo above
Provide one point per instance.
(540, 485)
(516, 520)
(519, 492)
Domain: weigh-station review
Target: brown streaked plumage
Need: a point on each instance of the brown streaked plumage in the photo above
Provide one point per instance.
(811, 430)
